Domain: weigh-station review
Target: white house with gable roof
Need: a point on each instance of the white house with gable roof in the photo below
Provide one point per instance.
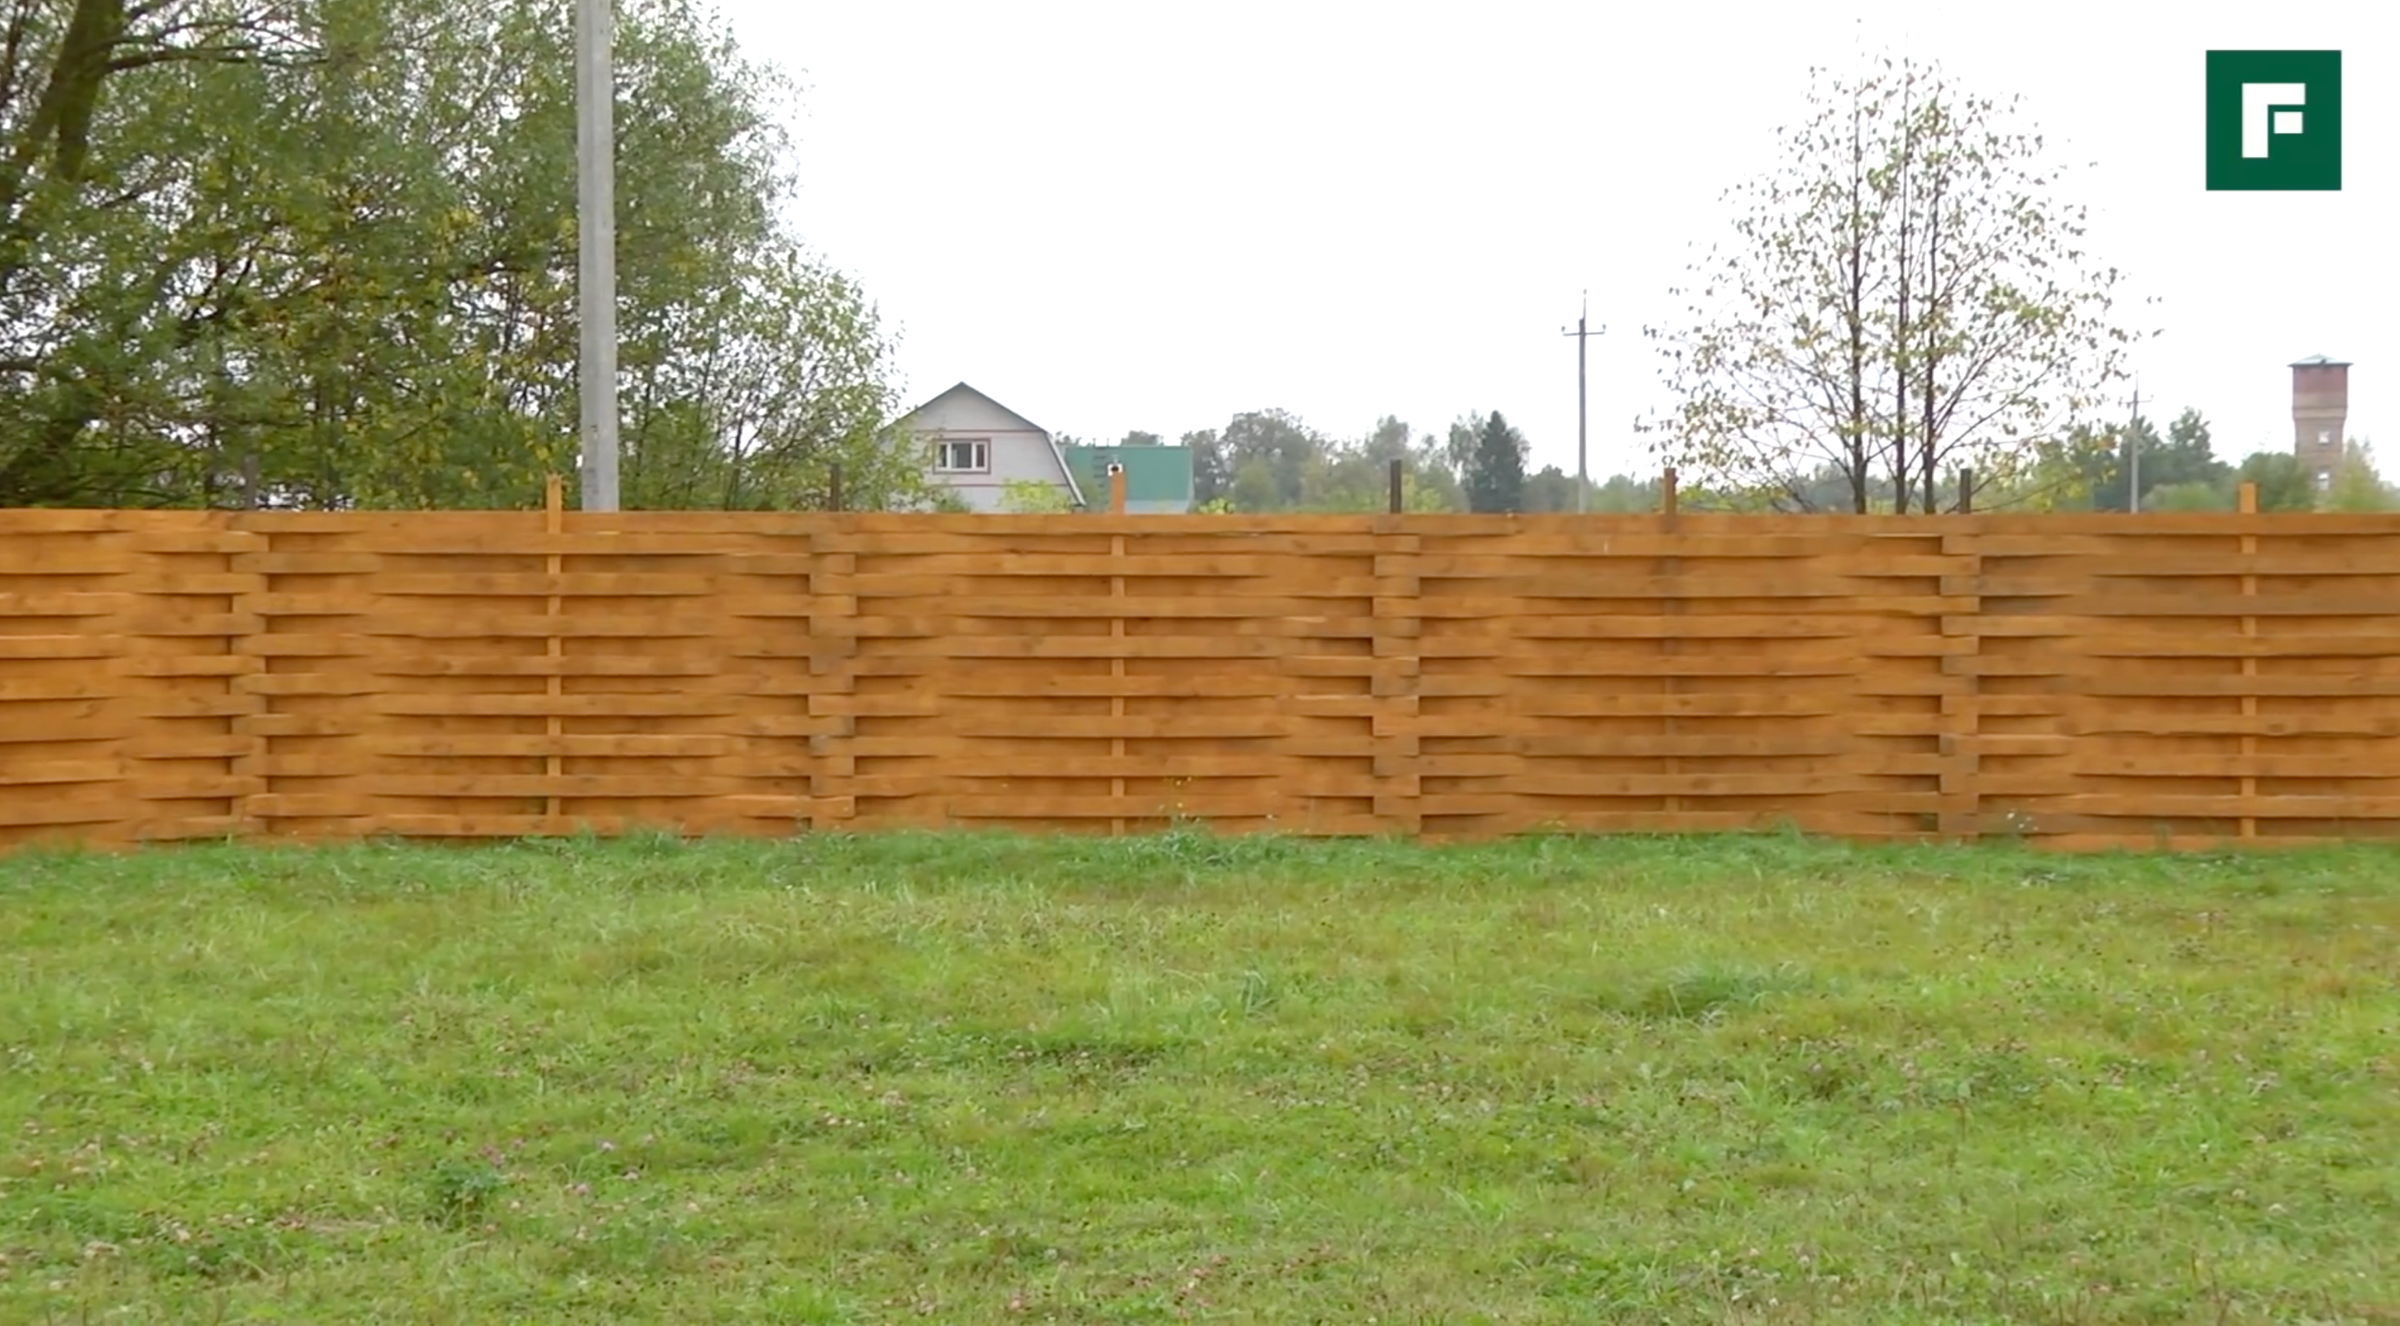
(976, 446)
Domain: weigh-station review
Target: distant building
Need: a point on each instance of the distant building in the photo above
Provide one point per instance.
(1158, 480)
(2320, 412)
(976, 447)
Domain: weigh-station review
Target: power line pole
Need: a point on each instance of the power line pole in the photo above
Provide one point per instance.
(2133, 448)
(596, 272)
(1583, 478)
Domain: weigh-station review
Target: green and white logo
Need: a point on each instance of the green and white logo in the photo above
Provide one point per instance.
(2275, 120)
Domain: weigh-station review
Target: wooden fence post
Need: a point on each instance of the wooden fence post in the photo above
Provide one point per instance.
(2248, 506)
(1966, 491)
(1399, 628)
(1399, 487)
(1670, 573)
(554, 516)
(833, 486)
(1116, 656)
(1958, 813)
(832, 675)
(254, 719)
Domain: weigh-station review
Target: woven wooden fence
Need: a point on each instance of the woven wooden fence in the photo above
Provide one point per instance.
(2084, 681)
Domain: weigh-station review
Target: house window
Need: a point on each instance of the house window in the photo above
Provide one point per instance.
(964, 456)
(2325, 437)
(2324, 481)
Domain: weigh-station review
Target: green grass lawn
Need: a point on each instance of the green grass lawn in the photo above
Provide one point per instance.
(970, 1079)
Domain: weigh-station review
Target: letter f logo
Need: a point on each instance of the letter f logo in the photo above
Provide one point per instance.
(2258, 102)
(2261, 117)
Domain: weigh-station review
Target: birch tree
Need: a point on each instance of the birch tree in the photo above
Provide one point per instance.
(1904, 297)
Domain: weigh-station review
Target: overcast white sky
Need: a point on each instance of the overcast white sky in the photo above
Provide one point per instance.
(1117, 216)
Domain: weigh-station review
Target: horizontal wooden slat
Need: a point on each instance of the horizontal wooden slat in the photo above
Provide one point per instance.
(569, 825)
(464, 785)
(995, 585)
(975, 685)
(2220, 645)
(419, 624)
(534, 745)
(1828, 601)
(1505, 804)
(14, 647)
(28, 812)
(60, 603)
(477, 585)
(40, 773)
(2150, 805)
(2324, 686)
(537, 706)
(83, 687)
(932, 744)
(538, 665)
(224, 666)
(2267, 764)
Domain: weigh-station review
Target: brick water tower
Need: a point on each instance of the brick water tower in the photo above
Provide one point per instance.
(2320, 409)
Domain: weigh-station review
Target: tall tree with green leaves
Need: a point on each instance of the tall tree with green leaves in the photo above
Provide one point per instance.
(2283, 485)
(1355, 474)
(1212, 472)
(2357, 485)
(1489, 454)
(1905, 298)
(1270, 451)
(2184, 458)
(336, 239)
(99, 118)
(1269, 460)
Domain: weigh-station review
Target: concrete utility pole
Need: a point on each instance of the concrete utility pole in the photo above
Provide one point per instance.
(1583, 478)
(2133, 450)
(596, 274)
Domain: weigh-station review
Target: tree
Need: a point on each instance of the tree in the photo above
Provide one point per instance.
(1032, 497)
(339, 238)
(1255, 488)
(1625, 495)
(2357, 486)
(1140, 439)
(2111, 468)
(1550, 490)
(1271, 451)
(2184, 458)
(785, 384)
(1212, 475)
(2063, 473)
(97, 115)
(2188, 459)
(2282, 484)
(1489, 455)
(1355, 475)
(2190, 495)
(1904, 300)
(1268, 460)
(1264, 454)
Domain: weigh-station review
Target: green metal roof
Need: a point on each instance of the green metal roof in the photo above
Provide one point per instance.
(1152, 474)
